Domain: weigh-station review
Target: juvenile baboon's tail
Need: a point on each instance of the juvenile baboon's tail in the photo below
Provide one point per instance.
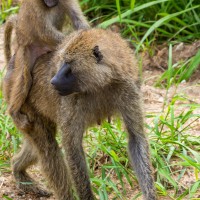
(10, 24)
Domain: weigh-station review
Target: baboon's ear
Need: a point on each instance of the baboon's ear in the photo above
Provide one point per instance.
(98, 55)
(51, 3)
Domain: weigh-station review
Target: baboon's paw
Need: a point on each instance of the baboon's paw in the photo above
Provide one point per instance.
(37, 190)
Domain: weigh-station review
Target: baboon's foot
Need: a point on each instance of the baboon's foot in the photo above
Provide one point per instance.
(33, 189)
(27, 185)
(36, 190)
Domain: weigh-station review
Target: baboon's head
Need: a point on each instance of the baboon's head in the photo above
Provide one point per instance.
(90, 60)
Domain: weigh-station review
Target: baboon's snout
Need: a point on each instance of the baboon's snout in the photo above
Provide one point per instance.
(65, 81)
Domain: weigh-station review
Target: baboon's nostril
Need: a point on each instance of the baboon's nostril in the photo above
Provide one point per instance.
(53, 80)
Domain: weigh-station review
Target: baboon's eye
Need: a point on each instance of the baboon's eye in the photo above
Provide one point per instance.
(98, 55)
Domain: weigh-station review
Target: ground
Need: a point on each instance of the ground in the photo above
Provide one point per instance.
(153, 102)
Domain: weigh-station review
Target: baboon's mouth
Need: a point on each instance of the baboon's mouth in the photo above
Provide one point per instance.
(63, 92)
(66, 92)
(51, 3)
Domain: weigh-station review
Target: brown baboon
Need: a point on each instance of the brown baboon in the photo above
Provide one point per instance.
(96, 76)
(38, 30)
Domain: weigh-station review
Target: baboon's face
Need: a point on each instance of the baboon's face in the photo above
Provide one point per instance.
(82, 67)
(51, 3)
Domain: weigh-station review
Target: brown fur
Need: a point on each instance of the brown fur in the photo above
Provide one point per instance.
(107, 86)
(38, 30)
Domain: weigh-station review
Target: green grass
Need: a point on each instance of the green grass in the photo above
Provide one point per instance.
(174, 150)
(147, 22)
(178, 72)
(6, 9)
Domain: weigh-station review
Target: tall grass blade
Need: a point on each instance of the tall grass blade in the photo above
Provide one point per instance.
(128, 13)
(161, 21)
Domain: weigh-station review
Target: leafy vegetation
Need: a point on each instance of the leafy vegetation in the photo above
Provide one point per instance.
(174, 147)
(146, 22)
(7, 9)
(174, 151)
(178, 72)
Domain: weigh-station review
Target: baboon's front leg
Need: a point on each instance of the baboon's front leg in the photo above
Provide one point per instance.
(51, 159)
(72, 135)
(138, 145)
(20, 162)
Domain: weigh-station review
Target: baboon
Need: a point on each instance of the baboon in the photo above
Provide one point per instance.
(38, 30)
(93, 74)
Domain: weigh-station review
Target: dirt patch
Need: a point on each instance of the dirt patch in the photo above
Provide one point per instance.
(9, 189)
(180, 52)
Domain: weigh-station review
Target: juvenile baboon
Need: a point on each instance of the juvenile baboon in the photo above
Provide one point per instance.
(95, 75)
(38, 30)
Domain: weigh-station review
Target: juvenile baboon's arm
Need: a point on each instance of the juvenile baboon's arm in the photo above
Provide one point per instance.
(50, 35)
(75, 13)
(137, 145)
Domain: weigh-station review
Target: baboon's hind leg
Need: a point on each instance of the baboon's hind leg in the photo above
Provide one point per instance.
(20, 89)
(20, 162)
(50, 156)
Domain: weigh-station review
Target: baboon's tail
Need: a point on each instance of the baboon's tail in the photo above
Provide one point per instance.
(10, 24)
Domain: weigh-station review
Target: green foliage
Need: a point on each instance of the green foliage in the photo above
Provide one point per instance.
(174, 150)
(148, 20)
(179, 72)
(6, 9)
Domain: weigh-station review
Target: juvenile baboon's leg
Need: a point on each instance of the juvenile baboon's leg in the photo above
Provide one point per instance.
(20, 162)
(22, 83)
(138, 145)
(8, 80)
(72, 135)
(76, 15)
(51, 159)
